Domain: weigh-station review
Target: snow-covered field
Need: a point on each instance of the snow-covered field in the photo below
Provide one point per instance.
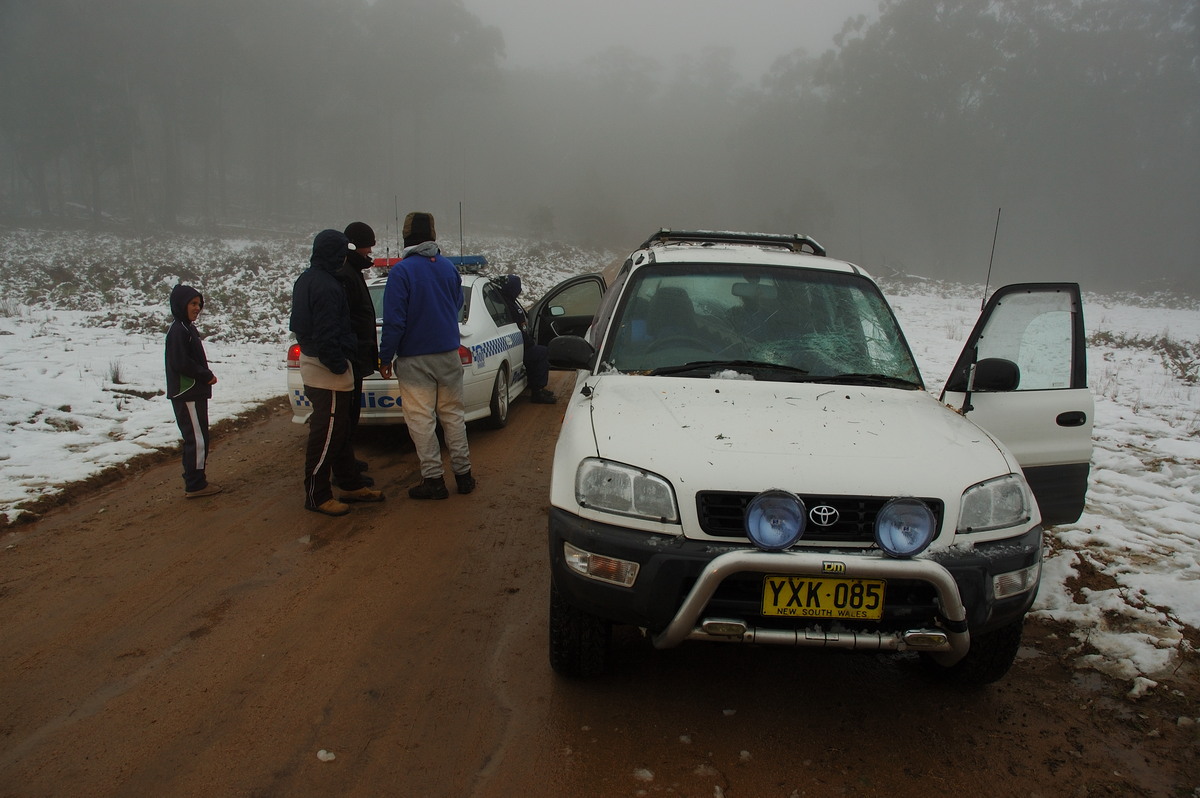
(82, 319)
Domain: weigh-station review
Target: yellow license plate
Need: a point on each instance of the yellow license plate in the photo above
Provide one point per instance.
(823, 597)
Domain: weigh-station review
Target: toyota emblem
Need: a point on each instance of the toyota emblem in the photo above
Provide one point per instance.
(824, 515)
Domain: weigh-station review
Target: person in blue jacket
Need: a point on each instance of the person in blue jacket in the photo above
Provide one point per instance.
(420, 340)
(321, 322)
(189, 387)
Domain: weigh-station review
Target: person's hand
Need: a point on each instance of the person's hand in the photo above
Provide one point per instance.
(385, 369)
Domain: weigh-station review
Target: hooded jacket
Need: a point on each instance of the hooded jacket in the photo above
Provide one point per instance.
(362, 313)
(421, 304)
(188, 376)
(320, 316)
(510, 289)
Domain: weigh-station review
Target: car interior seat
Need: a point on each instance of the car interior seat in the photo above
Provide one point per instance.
(671, 313)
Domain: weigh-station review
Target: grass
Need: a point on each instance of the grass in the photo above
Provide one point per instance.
(1181, 359)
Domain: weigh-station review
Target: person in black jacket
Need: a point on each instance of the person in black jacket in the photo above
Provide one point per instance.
(189, 387)
(321, 321)
(537, 360)
(362, 321)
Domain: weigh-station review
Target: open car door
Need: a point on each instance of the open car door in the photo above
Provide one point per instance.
(568, 308)
(1022, 376)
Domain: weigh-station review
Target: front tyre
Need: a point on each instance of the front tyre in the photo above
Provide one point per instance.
(579, 641)
(989, 658)
(500, 400)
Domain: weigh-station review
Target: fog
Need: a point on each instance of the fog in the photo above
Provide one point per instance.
(895, 137)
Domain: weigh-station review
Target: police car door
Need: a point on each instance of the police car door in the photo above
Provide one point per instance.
(1022, 376)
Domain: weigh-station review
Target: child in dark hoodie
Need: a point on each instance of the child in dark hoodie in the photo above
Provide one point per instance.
(189, 387)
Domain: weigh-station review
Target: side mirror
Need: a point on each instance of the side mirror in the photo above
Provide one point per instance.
(570, 352)
(996, 374)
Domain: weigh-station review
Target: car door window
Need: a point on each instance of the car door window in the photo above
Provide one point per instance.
(1034, 331)
(497, 308)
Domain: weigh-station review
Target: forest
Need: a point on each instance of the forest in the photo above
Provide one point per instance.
(1066, 130)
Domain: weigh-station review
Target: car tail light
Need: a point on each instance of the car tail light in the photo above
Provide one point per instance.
(293, 356)
(465, 356)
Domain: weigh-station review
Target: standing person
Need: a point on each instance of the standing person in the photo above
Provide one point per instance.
(362, 321)
(189, 387)
(421, 305)
(537, 356)
(321, 321)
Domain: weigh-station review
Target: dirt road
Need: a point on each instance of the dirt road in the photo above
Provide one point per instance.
(153, 646)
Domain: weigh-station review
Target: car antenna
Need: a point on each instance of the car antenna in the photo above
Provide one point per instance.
(988, 279)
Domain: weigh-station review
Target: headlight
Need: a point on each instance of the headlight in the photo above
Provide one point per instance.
(775, 519)
(621, 489)
(905, 527)
(995, 504)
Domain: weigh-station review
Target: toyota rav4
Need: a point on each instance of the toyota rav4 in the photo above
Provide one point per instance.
(750, 454)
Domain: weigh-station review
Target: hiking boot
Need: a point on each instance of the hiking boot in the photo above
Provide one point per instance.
(207, 490)
(466, 482)
(361, 465)
(543, 396)
(430, 488)
(360, 481)
(362, 495)
(330, 507)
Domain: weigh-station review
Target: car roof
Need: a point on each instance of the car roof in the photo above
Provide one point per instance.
(468, 279)
(757, 249)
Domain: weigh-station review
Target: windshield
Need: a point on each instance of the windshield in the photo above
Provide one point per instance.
(377, 300)
(770, 322)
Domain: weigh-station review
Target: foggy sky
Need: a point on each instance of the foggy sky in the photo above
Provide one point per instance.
(894, 145)
(547, 33)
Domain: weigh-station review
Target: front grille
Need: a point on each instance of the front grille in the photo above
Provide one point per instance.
(722, 515)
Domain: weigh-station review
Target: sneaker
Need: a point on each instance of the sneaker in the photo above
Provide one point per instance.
(207, 490)
(543, 396)
(430, 488)
(330, 507)
(362, 495)
(466, 482)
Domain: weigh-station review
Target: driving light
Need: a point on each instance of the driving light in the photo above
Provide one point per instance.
(905, 527)
(598, 567)
(616, 488)
(775, 519)
(995, 504)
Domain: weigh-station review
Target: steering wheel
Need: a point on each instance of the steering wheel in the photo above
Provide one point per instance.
(694, 341)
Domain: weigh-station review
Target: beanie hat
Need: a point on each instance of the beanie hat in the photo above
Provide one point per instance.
(360, 234)
(418, 228)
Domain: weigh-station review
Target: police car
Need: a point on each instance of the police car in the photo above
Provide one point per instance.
(750, 455)
(491, 350)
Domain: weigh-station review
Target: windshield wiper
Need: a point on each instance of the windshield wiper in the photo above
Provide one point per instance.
(868, 379)
(710, 365)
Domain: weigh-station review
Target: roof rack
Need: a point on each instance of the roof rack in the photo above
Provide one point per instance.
(794, 242)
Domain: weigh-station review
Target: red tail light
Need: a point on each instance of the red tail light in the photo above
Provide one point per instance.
(465, 356)
(293, 356)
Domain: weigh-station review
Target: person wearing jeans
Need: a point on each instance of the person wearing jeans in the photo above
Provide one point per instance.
(420, 340)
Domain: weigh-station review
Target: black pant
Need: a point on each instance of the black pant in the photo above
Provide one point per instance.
(350, 480)
(192, 418)
(327, 452)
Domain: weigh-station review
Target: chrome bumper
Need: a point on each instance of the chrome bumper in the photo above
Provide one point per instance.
(947, 645)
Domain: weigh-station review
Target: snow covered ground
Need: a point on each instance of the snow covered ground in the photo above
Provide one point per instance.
(82, 320)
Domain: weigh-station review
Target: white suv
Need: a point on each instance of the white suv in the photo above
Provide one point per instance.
(750, 455)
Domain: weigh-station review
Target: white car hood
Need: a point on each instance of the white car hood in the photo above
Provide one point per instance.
(745, 435)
